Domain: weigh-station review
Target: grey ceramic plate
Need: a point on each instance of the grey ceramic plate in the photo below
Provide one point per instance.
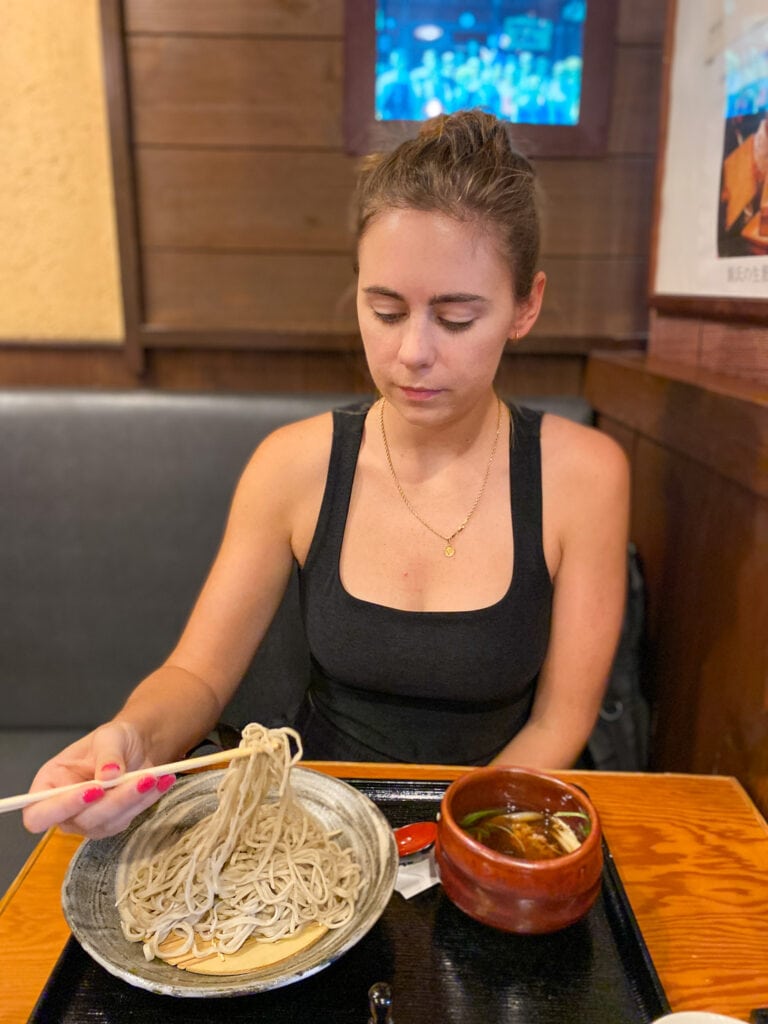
(88, 893)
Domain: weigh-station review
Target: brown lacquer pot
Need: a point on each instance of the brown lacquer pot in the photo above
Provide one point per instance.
(508, 892)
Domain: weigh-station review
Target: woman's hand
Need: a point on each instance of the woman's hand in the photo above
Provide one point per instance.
(105, 753)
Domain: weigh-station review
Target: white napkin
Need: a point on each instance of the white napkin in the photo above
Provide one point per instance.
(695, 1017)
(416, 877)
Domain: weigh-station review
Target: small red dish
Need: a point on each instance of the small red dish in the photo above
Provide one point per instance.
(416, 838)
(509, 893)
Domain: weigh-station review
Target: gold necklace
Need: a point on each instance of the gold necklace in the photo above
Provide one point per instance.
(449, 551)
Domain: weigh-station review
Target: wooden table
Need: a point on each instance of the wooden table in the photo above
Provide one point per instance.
(692, 852)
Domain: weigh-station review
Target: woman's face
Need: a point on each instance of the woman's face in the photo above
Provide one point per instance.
(436, 305)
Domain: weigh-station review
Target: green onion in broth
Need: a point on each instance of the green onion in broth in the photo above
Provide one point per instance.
(527, 835)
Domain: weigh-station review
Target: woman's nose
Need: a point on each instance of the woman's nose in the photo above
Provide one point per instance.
(416, 343)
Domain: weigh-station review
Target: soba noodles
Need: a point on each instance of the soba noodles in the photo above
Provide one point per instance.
(259, 866)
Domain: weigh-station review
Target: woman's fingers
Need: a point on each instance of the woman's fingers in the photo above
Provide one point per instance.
(94, 811)
(103, 755)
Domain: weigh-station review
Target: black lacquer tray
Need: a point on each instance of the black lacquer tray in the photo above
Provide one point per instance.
(440, 964)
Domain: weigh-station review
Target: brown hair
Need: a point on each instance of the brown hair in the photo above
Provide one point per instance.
(462, 165)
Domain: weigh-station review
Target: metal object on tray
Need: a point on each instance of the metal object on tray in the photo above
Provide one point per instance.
(380, 1003)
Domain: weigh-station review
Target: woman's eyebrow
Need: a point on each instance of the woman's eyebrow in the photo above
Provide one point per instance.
(439, 300)
(379, 289)
(435, 300)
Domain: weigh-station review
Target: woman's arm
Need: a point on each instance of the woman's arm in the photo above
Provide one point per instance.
(273, 512)
(586, 509)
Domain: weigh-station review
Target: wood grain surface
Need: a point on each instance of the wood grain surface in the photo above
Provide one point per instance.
(692, 852)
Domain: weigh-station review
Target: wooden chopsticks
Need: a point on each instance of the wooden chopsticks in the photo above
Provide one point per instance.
(16, 803)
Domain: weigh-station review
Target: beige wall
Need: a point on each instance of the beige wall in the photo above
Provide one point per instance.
(59, 276)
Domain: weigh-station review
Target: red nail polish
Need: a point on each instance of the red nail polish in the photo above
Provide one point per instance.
(111, 767)
(165, 782)
(94, 793)
(144, 785)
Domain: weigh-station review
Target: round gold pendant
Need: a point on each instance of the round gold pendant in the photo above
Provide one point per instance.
(450, 551)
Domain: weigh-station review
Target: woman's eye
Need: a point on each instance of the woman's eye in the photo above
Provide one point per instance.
(387, 318)
(455, 325)
(448, 325)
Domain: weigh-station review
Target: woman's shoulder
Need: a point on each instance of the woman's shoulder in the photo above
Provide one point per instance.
(582, 463)
(308, 440)
(579, 438)
(296, 446)
(290, 461)
(297, 454)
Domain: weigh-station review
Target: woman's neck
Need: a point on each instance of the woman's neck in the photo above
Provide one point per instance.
(429, 442)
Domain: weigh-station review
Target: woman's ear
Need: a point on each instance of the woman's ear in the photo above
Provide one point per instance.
(528, 309)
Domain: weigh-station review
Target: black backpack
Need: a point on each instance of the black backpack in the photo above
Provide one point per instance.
(621, 738)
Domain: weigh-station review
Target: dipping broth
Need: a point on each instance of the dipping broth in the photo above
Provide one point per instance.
(527, 835)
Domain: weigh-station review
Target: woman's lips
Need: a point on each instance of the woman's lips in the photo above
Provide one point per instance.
(420, 394)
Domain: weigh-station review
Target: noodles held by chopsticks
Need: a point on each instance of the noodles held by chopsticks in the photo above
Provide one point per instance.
(259, 865)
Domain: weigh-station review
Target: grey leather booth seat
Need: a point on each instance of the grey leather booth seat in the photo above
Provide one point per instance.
(112, 505)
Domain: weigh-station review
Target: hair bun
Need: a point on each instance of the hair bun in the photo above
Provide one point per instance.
(433, 127)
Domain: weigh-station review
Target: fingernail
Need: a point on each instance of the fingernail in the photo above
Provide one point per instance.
(165, 782)
(94, 793)
(144, 785)
(111, 767)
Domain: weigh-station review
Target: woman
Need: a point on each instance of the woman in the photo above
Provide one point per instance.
(462, 565)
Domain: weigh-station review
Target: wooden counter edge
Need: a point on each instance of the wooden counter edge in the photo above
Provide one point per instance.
(26, 868)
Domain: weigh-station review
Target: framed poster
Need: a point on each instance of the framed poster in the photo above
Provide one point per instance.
(710, 234)
(543, 65)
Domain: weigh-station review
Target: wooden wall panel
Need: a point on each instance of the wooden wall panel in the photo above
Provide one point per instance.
(266, 292)
(634, 125)
(715, 346)
(230, 369)
(641, 23)
(594, 296)
(249, 370)
(73, 366)
(198, 90)
(697, 445)
(254, 199)
(676, 339)
(321, 18)
(739, 349)
(521, 374)
(706, 562)
(597, 207)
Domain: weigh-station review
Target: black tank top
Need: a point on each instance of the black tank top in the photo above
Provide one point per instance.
(424, 687)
